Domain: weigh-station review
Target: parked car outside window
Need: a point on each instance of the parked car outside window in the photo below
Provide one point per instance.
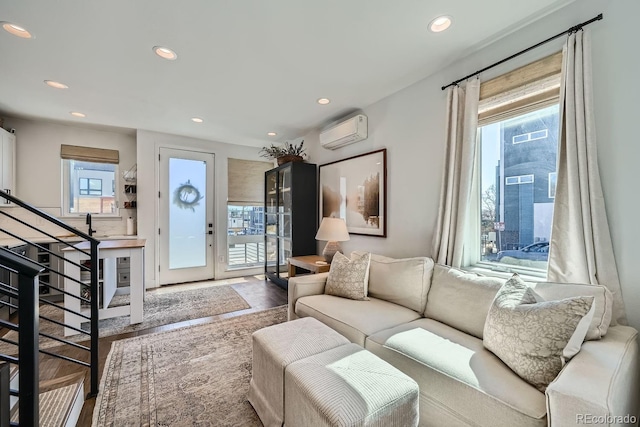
(534, 252)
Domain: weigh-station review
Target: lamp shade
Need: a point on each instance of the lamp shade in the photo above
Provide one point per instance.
(333, 230)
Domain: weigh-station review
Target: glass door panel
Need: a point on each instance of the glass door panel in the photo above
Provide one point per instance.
(271, 254)
(186, 216)
(271, 202)
(284, 229)
(187, 213)
(285, 190)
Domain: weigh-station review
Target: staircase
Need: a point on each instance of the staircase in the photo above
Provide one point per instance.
(25, 286)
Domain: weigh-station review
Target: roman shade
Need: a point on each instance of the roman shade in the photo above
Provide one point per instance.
(89, 154)
(246, 181)
(525, 89)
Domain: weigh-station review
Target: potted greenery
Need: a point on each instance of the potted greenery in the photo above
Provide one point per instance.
(284, 153)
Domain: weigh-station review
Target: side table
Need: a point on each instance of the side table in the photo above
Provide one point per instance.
(307, 262)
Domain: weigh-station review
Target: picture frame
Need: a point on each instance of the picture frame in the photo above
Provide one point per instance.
(355, 189)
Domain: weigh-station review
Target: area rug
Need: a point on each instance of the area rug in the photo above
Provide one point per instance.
(197, 375)
(164, 306)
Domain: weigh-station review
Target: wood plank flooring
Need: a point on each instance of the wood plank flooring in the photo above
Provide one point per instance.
(259, 294)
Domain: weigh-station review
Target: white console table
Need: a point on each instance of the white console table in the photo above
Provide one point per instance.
(108, 251)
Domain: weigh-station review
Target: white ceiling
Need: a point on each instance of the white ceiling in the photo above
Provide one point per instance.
(246, 67)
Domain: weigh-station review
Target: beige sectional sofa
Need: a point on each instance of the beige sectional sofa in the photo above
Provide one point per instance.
(427, 320)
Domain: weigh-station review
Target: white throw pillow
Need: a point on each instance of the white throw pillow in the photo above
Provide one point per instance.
(535, 338)
(349, 278)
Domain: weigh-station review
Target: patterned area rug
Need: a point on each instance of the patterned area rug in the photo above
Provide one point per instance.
(197, 375)
(161, 307)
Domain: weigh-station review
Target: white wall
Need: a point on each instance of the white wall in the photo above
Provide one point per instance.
(38, 167)
(410, 124)
(148, 146)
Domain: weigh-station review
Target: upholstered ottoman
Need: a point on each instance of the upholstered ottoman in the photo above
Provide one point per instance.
(348, 386)
(274, 348)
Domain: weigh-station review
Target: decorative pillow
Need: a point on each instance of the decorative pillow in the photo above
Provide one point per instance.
(535, 338)
(349, 278)
(603, 302)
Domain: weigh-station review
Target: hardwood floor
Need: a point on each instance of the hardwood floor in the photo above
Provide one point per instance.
(259, 294)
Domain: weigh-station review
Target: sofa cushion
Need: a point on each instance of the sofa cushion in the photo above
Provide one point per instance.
(602, 304)
(354, 319)
(403, 281)
(349, 278)
(461, 383)
(534, 338)
(460, 299)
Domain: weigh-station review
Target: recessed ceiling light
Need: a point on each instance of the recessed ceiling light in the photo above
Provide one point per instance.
(323, 101)
(271, 133)
(165, 52)
(439, 24)
(197, 119)
(16, 30)
(78, 114)
(56, 85)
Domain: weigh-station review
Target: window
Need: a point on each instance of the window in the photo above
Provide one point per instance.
(531, 136)
(245, 232)
(522, 179)
(85, 187)
(245, 213)
(89, 180)
(517, 180)
(90, 186)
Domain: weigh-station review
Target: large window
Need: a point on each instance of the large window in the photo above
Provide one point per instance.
(518, 136)
(88, 187)
(517, 207)
(245, 213)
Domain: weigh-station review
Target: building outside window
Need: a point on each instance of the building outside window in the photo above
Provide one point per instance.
(516, 183)
(90, 186)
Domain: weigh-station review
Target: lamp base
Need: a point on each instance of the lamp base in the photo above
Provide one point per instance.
(330, 250)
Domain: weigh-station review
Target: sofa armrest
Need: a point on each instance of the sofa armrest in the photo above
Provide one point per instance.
(302, 286)
(600, 384)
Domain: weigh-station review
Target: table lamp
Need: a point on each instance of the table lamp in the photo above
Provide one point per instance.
(334, 231)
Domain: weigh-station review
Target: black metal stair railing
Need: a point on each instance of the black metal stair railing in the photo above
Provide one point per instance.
(28, 357)
(27, 320)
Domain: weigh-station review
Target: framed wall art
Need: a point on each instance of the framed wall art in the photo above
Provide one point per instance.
(355, 189)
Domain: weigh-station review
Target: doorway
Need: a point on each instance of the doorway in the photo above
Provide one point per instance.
(186, 201)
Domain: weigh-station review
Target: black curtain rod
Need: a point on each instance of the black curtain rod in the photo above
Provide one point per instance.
(569, 31)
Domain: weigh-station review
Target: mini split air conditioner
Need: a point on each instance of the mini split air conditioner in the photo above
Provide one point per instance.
(344, 133)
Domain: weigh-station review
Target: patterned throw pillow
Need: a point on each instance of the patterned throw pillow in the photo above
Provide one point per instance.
(349, 278)
(535, 338)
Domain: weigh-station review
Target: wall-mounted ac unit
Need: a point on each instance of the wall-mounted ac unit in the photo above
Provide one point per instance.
(346, 132)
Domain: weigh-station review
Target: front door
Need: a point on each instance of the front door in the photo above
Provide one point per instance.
(186, 216)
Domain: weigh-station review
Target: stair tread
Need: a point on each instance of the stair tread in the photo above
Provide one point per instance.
(56, 403)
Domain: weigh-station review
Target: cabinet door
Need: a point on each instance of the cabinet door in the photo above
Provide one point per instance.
(8, 163)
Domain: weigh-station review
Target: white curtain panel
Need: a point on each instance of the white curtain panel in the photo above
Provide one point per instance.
(459, 169)
(580, 247)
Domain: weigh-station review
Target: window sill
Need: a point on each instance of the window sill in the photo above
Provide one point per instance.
(505, 271)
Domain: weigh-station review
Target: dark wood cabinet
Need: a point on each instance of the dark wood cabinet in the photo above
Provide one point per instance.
(290, 217)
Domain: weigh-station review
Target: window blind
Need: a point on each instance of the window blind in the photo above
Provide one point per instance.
(89, 154)
(246, 181)
(520, 91)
